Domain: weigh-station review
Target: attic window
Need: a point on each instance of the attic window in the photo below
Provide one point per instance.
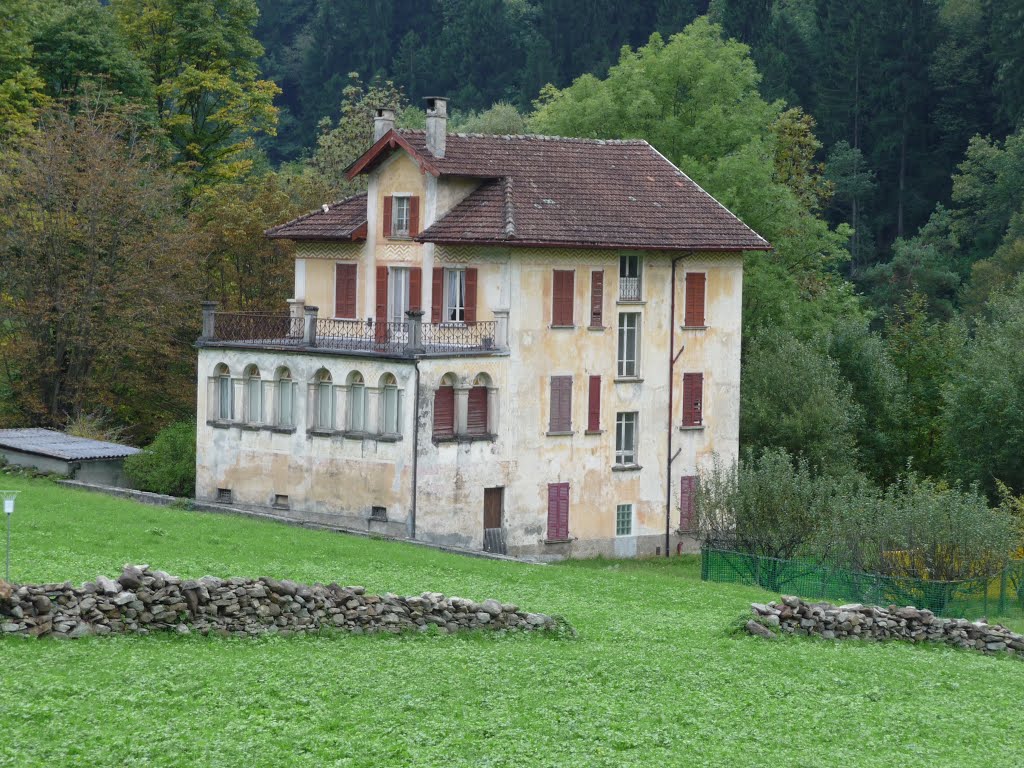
(400, 216)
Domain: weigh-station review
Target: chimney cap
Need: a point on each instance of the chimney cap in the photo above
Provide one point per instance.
(437, 104)
(386, 112)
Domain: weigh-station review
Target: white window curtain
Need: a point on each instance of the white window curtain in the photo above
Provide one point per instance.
(285, 403)
(455, 296)
(325, 405)
(356, 407)
(224, 397)
(255, 400)
(391, 410)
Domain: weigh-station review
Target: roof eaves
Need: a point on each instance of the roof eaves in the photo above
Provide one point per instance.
(386, 143)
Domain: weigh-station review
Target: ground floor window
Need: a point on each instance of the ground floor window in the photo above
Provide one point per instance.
(624, 520)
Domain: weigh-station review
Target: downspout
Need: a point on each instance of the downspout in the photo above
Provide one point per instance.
(415, 448)
(669, 458)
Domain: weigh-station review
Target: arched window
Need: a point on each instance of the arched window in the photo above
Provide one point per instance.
(390, 405)
(223, 392)
(285, 398)
(476, 418)
(356, 402)
(253, 395)
(444, 408)
(324, 389)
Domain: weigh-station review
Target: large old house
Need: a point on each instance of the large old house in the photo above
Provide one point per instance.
(524, 344)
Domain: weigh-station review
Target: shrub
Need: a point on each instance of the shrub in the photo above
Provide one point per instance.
(169, 464)
(774, 506)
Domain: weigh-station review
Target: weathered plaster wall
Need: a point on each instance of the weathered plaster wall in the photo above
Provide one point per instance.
(318, 261)
(331, 478)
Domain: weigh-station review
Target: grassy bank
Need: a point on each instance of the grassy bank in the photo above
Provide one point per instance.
(655, 677)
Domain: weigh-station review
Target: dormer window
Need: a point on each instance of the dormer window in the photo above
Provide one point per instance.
(400, 216)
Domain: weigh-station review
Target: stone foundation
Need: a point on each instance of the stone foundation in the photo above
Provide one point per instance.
(865, 622)
(141, 601)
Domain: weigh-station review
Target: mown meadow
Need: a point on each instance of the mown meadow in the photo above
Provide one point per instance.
(658, 674)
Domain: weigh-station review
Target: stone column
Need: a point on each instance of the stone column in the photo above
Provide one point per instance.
(461, 410)
(209, 319)
(415, 330)
(501, 328)
(309, 327)
(492, 410)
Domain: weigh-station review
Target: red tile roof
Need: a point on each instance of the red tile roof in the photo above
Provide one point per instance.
(344, 220)
(548, 191)
(553, 191)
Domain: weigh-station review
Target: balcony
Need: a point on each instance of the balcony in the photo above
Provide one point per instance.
(306, 331)
(629, 289)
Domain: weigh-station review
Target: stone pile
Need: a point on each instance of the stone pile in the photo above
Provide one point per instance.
(143, 600)
(865, 622)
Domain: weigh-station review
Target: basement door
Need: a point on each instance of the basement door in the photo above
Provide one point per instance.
(494, 530)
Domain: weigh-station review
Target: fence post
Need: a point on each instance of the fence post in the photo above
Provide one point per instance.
(1002, 590)
(309, 328)
(209, 319)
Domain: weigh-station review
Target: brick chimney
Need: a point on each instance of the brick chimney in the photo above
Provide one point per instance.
(437, 124)
(383, 122)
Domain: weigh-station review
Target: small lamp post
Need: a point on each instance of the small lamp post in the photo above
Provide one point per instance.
(8, 497)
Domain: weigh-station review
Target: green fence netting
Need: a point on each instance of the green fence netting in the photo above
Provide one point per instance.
(1000, 596)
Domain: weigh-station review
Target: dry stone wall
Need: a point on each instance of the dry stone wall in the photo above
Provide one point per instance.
(143, 600)
(866, 622)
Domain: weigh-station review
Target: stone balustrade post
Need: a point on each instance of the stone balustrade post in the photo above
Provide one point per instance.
(209, 319)
(415, 330)
(309, 326)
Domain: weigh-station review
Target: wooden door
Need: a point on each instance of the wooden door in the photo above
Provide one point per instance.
(494, 534)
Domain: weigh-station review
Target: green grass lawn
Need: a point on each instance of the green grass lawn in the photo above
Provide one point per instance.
(656, 676)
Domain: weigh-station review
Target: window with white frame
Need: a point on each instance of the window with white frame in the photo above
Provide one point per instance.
(454, 295)
(629, 343)
(285, 399)
(253, 395)
(625, 438)
(390, 405)
(324, 401)
(400, 216)
(224, 392)
(356, 402)
(624, 520)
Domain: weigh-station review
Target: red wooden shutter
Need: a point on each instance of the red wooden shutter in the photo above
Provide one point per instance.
(437, 300)
(561, 404)
(562, 297)
(594, 405)
(381, 319)
(693, 396)
(476, 423)
(471, 279)
(386, 218)
(345, 290)
(687, 491)
(596, 299)
(558, 511)
(444, 412)
(415, 289)
(414, 216)
(695, 283)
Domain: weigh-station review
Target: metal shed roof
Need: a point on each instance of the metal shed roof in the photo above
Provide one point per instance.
(47, 442)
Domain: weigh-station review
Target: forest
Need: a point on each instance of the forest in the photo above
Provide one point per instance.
(146, 144)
